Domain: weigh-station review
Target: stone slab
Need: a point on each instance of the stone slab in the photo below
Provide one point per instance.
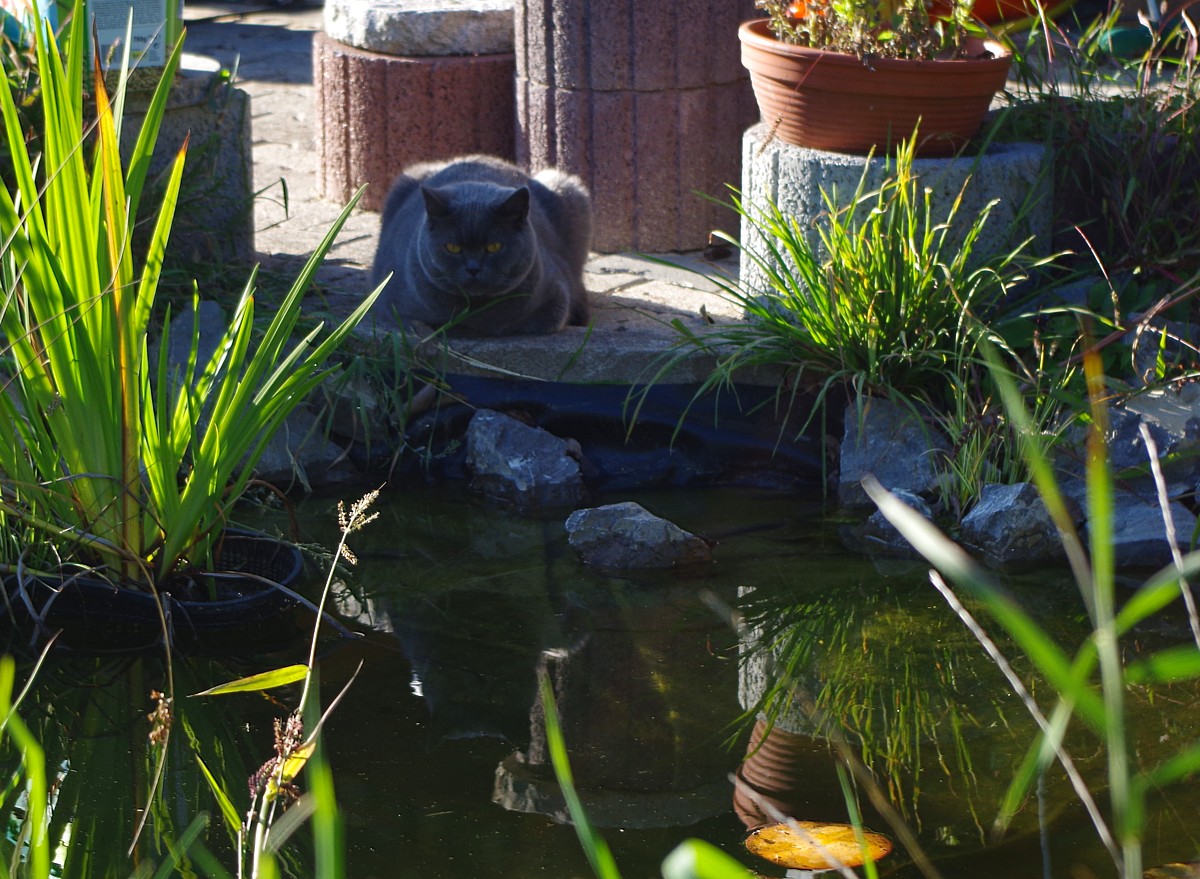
(423, 27)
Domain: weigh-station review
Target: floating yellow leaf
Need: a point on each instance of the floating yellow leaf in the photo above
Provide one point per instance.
(811, 845)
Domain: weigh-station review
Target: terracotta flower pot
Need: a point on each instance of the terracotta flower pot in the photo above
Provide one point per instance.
(838, 102)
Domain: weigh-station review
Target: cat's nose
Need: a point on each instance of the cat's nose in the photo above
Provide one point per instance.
(472, 268)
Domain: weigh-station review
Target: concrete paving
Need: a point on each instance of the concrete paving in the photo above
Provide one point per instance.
(634, 298)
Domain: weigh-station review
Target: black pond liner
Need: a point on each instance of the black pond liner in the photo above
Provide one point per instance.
(745, 435)
(93, 616)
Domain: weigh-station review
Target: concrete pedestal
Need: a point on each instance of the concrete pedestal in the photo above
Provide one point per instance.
(794, 178)
(404, 81)
(645, 102)
(214, 220)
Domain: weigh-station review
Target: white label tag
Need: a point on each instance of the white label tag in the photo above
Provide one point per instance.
(148, 43)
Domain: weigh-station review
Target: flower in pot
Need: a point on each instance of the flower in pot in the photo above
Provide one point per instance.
(858, 75)
(107, 465)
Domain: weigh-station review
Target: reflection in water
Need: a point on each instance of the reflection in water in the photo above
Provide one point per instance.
(626, 659)
(474, 655)
(649, 694)
(452, 783)
(93, 720)
(777, 775)
(897, 678)
(641, 746)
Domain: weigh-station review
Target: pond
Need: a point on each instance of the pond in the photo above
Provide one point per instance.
(439, 747)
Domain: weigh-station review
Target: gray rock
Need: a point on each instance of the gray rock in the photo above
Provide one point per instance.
(300, 454)
(1125, 445)
(1011, 525)
(1172, 415)
(880, 535)
(891, 443)
(523, 467)
(627, 536)
(1139, 534)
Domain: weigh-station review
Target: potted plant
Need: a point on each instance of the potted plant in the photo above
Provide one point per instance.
(858, 75)
(113, 471)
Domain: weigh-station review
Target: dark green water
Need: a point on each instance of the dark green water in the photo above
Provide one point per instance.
(438, 748)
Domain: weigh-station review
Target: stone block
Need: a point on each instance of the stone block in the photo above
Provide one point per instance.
(649, 158)
(793, 178)
(891, 443)
(378, 113)
(647, 45)
(423, 27)
(644, 103)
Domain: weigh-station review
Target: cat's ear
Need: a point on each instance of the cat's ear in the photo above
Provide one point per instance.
(435, 203)
(516, 207)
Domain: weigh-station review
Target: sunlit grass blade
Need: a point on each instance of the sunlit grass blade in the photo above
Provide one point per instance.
(266, 680)
(229, 812)
(1181, 766)
(594, 846)
(697, 859)
(141, 156)
(1127, 814)
(1170, 665)
(189, 847)
(33, 762)
(328, 825)
(1156, 593)
(855, 815)
(952, 561)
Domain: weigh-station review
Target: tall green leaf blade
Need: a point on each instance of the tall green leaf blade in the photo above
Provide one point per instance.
(594, 846)
(266, 680)
(143, 150)
(697, 859)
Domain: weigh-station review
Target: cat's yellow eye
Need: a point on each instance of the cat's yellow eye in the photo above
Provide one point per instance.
(494, 247)
(451, 247)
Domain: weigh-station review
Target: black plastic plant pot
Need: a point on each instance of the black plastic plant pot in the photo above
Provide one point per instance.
(243, 606)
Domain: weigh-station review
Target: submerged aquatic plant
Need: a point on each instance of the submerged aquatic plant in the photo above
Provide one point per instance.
(855, 672)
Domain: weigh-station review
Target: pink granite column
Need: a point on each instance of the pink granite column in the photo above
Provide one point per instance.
(646, 100)
(398, 83)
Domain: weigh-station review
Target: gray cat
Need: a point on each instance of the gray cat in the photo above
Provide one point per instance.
(479, 246)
